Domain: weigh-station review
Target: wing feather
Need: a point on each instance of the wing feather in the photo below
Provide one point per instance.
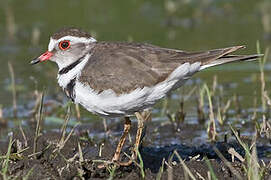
(124, 67)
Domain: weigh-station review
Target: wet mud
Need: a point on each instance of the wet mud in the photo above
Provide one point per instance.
(46, 157)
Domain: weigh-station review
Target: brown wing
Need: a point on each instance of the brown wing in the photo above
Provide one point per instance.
(124, 67)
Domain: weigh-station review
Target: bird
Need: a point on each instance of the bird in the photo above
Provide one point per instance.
(122, 79)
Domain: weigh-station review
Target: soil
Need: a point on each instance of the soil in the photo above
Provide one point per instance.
(51, 161)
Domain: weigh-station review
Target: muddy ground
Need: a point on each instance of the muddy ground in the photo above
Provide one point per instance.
(51, 161)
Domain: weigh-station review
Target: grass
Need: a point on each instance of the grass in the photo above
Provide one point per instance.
(161, 170)
(211, 170)
(38, 119)
(250, 163)
(112, 170)
(141, 164)
(252, 166)
(5, 163)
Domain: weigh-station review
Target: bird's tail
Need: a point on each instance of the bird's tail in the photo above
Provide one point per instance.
(227, 58)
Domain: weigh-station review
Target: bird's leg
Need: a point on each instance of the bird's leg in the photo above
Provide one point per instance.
(127, 126)
(140, 125)
(141, 118)
(115, 159)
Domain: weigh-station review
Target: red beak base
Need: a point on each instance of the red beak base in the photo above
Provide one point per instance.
(44, 57)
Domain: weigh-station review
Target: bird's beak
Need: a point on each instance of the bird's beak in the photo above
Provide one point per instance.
(44, 57)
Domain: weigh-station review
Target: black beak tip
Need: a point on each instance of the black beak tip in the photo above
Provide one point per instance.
(35, 61)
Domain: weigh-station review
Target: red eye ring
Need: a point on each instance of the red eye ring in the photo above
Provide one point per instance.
(64, 45)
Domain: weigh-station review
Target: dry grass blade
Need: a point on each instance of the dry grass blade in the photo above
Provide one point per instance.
(235, 154)
(212, 126)
(262, 76)
(228, 164)
(64, 126)
(265, 128)
(222, 112)
(214, 85)
(63, 139)
(38, 126)
(13, 86)
(170, 165)
(105, 125)
(186, 169)
(253, 165)
(23, 134)
(200, 106)
(254, 116)
(101, 149)
(40, 152)
(190, 93)
(81, 158)
(161, 170)
(245, 147)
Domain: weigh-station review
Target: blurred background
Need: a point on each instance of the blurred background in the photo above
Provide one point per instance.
(25, 28)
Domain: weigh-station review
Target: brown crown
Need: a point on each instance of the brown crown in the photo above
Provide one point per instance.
(70, 32)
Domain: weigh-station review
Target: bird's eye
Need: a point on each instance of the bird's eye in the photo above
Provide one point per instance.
(63, 45)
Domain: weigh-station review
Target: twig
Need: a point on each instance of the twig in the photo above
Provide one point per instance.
(227, 163)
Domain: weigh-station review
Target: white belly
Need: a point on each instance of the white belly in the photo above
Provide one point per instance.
(109, 104)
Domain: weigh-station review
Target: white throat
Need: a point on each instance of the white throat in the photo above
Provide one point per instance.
(64, 79)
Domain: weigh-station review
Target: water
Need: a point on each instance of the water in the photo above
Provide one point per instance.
(26, 26)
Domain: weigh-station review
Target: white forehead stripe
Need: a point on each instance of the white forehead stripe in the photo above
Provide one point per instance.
(73, 39)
